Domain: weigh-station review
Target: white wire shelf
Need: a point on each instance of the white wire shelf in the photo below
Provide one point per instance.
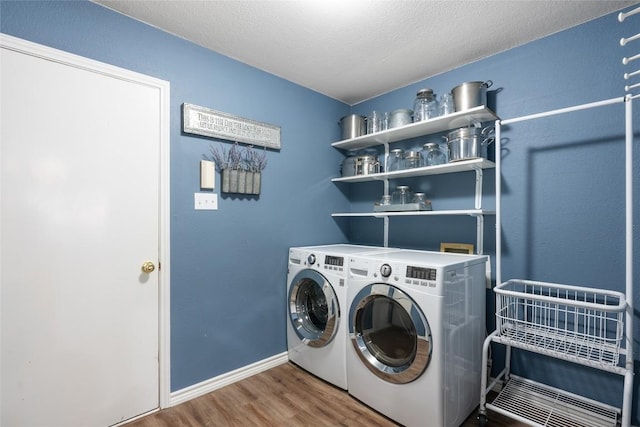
(454, 167)
(470, 212)
(427, 127)
(582, 325)
(540, 405)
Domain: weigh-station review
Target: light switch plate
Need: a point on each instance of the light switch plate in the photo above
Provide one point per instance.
(206, 201)
(207, 175)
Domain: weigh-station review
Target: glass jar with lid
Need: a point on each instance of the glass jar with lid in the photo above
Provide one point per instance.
(401, 195)
(421, 200)
(412, 159)
(432, 155)
(395, 162)
(425, 105)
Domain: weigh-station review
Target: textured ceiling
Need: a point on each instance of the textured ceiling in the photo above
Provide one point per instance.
(353, 50)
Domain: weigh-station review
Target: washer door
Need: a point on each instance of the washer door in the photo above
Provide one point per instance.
(313, 308)
(389, 333)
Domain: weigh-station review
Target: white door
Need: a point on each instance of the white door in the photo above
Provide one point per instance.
(80, 174)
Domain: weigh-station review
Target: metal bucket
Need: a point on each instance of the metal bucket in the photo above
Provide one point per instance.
(469, 143)
(353, 126)
(360, 165)
(470, 94)
(400, 117)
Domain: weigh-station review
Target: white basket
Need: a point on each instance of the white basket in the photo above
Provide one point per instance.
(584, 325)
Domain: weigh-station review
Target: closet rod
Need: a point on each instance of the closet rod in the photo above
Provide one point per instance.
(624, 15)
(563, 110)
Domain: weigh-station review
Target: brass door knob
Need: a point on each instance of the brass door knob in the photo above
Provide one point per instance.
(148, 267)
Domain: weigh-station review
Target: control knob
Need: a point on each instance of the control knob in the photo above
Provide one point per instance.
(311, 259)
(385, 270)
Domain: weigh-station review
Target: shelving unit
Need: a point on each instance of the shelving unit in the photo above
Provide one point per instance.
(426, 127)
(473, 116)
(455, 167)
(470, 212)
(587, 326)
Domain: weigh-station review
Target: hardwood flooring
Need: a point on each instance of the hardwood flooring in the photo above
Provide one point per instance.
(284, 396)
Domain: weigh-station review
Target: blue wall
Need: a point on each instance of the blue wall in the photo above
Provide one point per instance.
(228, 267)
(562, 180)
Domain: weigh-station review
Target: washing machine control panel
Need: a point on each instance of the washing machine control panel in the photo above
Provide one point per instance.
(385, 270)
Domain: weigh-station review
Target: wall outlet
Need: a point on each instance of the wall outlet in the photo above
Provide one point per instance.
(206, 201)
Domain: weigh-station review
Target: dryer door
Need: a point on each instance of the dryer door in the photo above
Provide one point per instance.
(313, 308)
(389, 333)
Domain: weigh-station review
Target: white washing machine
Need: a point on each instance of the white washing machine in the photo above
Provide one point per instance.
(416, 327)
(316, 305)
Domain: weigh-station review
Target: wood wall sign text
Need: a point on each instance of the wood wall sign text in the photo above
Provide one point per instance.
(204, 121)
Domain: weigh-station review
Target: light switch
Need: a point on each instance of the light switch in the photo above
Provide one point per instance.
(207, 175)
(206, 201)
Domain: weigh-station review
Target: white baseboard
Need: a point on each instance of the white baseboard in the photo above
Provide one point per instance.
(204, 387)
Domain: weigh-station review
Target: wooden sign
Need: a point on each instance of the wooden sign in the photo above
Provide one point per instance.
(216, 124)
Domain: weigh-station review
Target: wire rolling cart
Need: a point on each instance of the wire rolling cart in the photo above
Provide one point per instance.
(587, 326)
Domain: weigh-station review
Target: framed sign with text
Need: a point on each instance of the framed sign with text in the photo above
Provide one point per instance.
(216, 124)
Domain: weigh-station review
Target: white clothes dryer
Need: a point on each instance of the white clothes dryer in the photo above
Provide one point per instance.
(316, 304)
(416, 328)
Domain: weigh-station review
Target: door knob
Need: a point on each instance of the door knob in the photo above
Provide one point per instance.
(148, 267)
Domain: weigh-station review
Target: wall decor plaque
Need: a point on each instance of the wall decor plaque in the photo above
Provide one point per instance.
(204, 121)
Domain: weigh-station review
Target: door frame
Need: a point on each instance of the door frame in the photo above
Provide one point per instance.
(51, 54)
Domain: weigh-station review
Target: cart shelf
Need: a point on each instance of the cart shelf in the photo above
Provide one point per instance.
(541, 405)
(582, 325)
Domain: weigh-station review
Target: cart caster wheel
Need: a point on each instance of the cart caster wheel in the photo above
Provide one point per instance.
(482, 420)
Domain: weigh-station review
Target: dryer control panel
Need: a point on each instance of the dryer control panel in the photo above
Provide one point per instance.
(337, 261)
(421, 273)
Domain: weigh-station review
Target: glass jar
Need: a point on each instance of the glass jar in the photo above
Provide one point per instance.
(425, 105)
(419, 197)
(412, 159)
(385, 200)
(384, 121)
(401, 195)
(432, 155)
(395, 162)
(373, 122)
(421, 200)
(446, 104)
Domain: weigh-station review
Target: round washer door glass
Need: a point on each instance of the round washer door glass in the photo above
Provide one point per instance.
(389, 333)
(313, 308)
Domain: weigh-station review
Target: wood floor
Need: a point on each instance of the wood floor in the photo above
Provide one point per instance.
(284, 396)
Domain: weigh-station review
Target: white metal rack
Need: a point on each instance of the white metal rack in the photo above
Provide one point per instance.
(628, 60)
(439, 124)
(591, 327)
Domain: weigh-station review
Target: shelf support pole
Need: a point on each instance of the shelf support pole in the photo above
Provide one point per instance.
(628, 378)
(480, 234)
(386, 231)
(386, 193)
(478, 202)
(386, 165)
(498, 183)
